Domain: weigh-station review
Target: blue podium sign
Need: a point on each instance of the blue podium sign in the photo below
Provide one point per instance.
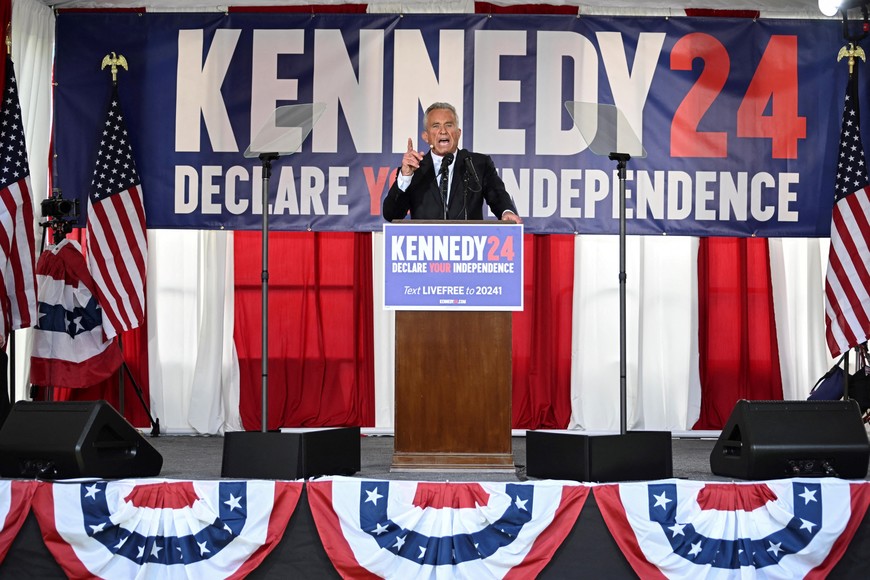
(453, 266)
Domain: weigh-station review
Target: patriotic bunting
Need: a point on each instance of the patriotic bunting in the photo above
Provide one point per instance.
(404, 529)
(780, 529)
(69, 345)
(15, 498)
(163, 529)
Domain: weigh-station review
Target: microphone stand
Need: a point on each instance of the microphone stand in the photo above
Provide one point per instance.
(266, 159)
(621, 162)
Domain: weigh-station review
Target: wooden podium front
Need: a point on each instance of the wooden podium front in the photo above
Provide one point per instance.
(453, 391)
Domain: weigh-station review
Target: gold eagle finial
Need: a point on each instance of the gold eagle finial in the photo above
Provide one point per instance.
(114, 61)
(851, 51)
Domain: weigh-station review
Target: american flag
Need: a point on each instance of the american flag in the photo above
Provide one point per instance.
(117, 245)
(17, 240)
(847, 282)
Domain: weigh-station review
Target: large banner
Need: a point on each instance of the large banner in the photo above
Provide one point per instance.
(739, 118)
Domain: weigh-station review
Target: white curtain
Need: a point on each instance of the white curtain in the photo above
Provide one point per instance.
(662, 387)
(214, 397)
(194, 376)
(798, 274)
(385, 341)
(32, 55)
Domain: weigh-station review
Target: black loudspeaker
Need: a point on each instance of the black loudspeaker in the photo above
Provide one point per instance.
(291, 454)
(776, 439)
(73, 439)
(631, 456)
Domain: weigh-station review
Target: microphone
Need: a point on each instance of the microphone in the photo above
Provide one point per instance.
(469, 170)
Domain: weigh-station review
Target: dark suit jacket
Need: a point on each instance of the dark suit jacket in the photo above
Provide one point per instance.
(423, 199)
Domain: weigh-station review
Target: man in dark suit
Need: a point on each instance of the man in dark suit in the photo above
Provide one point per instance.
(447, 182)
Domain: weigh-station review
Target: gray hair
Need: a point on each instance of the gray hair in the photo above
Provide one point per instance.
(437, 106)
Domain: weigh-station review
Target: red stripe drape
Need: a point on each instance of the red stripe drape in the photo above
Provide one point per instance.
(739, 356)
(321, 358)
(542, 335)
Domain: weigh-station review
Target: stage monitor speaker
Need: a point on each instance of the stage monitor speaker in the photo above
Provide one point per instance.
(291, 453)
(776, 439)
(63, 440)
(631, 456)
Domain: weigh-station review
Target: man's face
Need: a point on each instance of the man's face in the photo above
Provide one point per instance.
(442, 134)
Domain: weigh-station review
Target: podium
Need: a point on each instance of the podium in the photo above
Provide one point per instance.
(453, 373)
(453, 391)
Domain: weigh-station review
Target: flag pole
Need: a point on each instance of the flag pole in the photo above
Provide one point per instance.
(115, 61)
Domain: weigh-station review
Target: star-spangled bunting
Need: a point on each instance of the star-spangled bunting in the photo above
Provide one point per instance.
(847, 281)
(117, 243)
(691, 529)
(373, 528)
(69, 346)
(17, 241)
(163, 528)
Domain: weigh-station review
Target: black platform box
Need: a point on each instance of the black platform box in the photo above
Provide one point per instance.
(291, 453)
(632, 456)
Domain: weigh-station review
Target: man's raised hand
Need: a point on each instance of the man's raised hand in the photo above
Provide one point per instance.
(411, 159)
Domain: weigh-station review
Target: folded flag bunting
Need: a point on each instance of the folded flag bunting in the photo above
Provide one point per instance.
(117, 241)
(17, 243)
(163, 529)
(406, 529)
(69, 345)
(785, 529)
(15, 499)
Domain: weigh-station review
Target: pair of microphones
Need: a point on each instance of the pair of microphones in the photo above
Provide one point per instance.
(469, 169)
(469, 174)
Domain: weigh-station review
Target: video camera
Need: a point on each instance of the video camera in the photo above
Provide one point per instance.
(60, 214)
(59, 208)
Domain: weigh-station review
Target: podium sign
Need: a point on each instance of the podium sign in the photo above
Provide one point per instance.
(453, 266)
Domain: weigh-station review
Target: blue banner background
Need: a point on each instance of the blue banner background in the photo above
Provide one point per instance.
(553, 201)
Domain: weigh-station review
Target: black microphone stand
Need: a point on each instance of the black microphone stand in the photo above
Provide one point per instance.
(621, 162)
(266, 159)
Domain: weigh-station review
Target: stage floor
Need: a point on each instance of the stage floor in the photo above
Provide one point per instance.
(199, 457)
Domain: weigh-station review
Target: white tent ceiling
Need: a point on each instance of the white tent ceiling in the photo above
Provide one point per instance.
(769, 8)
